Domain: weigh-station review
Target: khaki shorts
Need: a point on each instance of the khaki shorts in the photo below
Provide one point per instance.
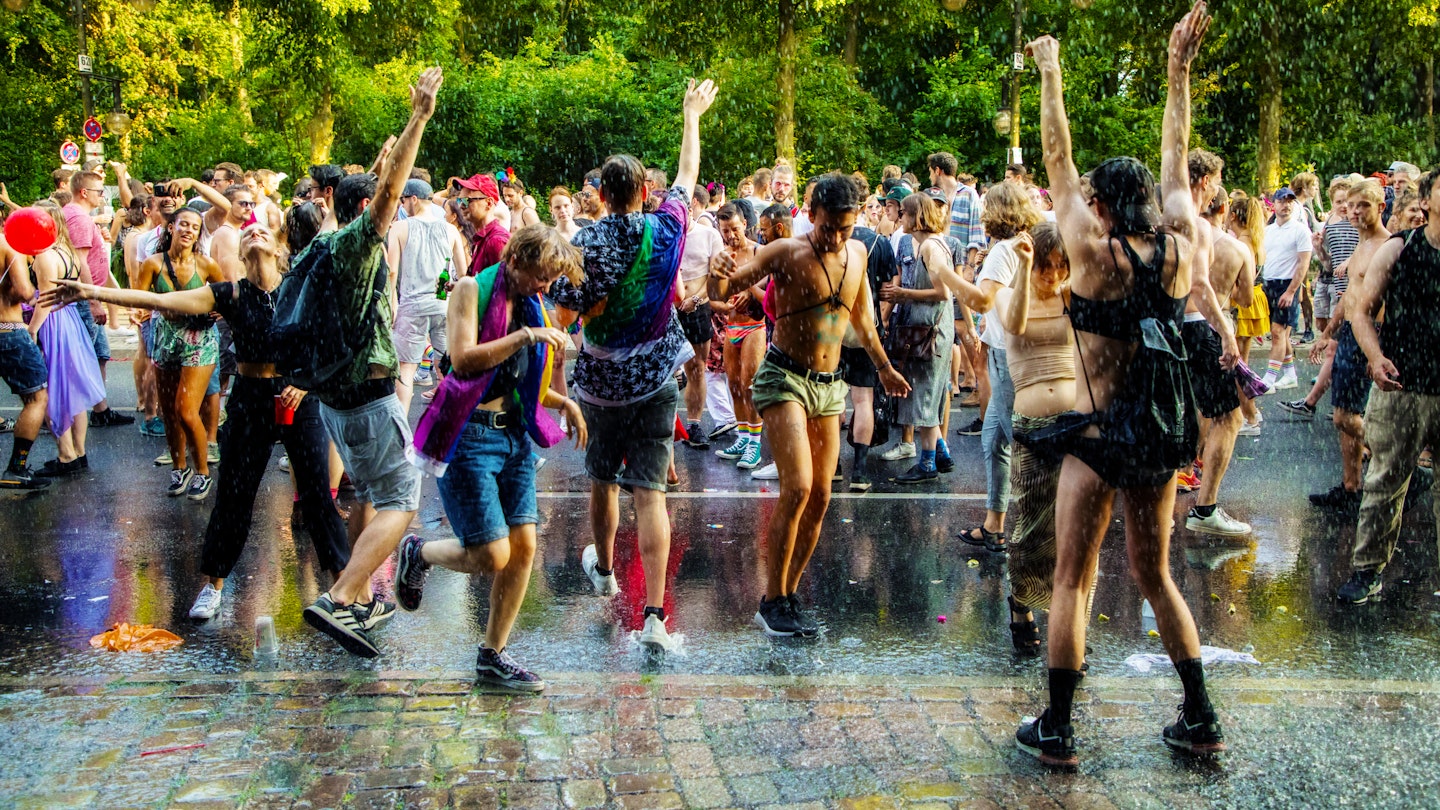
(774, 385)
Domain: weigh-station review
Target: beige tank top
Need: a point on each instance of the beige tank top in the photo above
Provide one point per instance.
(1044, 353)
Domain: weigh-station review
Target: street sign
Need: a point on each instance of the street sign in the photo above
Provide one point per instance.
(1017, 61)
(82, 63)
(92, 129)
(69, 152)
(95, 150)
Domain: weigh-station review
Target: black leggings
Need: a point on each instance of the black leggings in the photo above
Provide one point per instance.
(246, 448)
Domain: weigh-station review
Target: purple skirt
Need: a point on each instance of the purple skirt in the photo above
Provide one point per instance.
(75, 383)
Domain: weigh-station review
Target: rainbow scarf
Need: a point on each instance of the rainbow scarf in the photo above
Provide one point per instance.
(443, 422)
(638, 309)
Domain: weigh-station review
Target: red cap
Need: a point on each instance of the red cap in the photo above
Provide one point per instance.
(483, 183)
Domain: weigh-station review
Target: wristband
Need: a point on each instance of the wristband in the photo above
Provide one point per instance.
(888, 364)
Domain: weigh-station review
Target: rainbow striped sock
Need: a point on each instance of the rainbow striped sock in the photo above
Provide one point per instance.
(1274, 368)
(427, 360)
(752, 431)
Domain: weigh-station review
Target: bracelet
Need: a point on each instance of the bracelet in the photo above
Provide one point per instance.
(529, 335)
(888, 364)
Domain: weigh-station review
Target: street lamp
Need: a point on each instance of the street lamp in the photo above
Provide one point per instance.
(1017, 67)
(1002, 122)
(17, 6)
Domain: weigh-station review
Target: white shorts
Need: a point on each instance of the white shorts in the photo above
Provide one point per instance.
(417, 327)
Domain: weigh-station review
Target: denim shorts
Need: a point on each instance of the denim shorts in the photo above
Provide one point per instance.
(21, 364)
(490, 484)
(98, 338)
(1282, 316)
(1350, 374)
(638, 437)
(371, 440)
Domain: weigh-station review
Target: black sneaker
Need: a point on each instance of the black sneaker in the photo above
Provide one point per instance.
(777, 619)
(21, 478)
(721, 430)
(499, 669)
(55, 468)
(109, 418)
(917, 474)
(1201, 737)
(1420, 482)
(972, 429)
(200, 486)
(945, 464)
(373, 613)
(410, 573)
(1052, 746)
(839, 473)
(860, 482)
(1308, 337)
(696, 439)
(1361, 588)
(1338, 499)
(6, 425)
(808, 624)
(339, 622)
(179, 480)
(1299, 407)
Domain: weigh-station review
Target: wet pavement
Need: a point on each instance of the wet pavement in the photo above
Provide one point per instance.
(915, 709)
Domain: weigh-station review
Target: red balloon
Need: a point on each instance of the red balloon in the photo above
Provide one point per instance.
(30, 231)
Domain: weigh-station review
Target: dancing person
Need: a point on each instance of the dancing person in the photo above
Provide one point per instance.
(261, 411)
(23, 368)
(1403, 277)
(360, 408)
(798, 390)
(743, 345)
(1129, 262)
(477, 434)
(625, 375)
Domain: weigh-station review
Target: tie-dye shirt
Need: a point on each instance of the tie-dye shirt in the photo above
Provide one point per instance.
(633, 340)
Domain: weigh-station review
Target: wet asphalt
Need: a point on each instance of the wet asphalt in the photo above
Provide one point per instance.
(108, 546)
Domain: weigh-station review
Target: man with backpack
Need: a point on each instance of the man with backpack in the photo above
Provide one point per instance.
(357, 392)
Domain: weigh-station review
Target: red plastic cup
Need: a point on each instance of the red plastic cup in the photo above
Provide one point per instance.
(283, 415)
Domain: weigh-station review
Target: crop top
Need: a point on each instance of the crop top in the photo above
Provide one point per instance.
(1120, 319)
(249, 310)
(1046, 352)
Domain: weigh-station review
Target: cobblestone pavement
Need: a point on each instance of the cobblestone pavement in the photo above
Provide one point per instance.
(298, 740)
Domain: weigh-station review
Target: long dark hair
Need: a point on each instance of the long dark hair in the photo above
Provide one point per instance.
(1127, 188)
(167, 238)
(302, 225)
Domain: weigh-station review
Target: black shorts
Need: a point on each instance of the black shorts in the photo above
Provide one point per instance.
(1117, 468)
(697, 324)
(1282, 316)
(1215, 392)
(227, 349)
(1350, 375)
(856, 368)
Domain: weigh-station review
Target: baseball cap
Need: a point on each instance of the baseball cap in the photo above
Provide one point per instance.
(935, 193)
(1398, 166)
(1285, 193)
(415, 187)
(483, 183)
(898, 193)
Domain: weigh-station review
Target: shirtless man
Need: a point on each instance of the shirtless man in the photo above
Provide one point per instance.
(225, 240)
(1349, 383)
(1212, 349)
(22, 367)
(797, 389)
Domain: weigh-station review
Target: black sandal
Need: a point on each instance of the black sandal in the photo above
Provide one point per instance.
(1024, 635)
(991, 541)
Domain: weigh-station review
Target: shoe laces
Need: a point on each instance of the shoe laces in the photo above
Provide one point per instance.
(502, 661)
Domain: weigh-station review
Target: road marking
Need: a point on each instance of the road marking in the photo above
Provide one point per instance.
(868, 496)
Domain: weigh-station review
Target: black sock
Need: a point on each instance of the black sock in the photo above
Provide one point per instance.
(1192, 678)
(659, 612)
(20, 453)
(604, 572)
(1062, 694)
(862, 459)
(1204, 511)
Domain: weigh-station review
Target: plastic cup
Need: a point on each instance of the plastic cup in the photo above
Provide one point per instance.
(265, 642)
(283, 415)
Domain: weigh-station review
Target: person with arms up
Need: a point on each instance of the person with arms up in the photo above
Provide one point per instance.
(798, 390)
(1130, 275)
(360, 410)
(633, 345)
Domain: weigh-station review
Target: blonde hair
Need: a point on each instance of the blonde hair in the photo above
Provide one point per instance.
(539, 246)
(1009, 210)
(1249, 215)
(62, 233)
(1369, 189)
(1305, 180)
(930, 214)
(1342, 183)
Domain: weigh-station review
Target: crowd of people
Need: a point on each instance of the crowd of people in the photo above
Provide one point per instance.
(1101, 325)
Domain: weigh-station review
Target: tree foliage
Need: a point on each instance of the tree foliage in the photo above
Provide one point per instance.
(550, 87)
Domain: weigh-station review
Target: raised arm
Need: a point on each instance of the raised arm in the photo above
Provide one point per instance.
(401, 160)
(1178, 215)
(122, 182)
(219, 206)
(1072, 210)
(698, 98)
(1014, 308)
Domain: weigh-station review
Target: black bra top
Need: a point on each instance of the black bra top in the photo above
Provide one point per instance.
(1120, 319)
(833, 301)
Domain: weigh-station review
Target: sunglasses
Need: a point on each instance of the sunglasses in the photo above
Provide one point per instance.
(245, 204)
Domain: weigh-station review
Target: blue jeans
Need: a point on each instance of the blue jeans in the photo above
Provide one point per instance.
(996, 432)
(489, 486)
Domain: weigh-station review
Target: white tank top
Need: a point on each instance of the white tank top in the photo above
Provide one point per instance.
(426, 253)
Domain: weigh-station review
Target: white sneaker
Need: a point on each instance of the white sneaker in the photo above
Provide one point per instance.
(206, 603)
(212, 453)
(163, 459)
(1250, 428)
(604, 585)
(1219, 523)
(655, 636)
(1287, 381)
(770, 472)
(285, 462)
(899, 452)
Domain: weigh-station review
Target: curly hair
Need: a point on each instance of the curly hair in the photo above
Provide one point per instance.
(538, 247)
(1009, 210)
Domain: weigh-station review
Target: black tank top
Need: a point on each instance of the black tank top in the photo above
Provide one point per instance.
(1120, 319)
(1412, 323)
